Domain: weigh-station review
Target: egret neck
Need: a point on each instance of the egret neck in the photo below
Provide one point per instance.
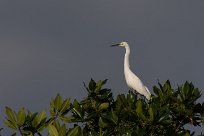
(127, 54)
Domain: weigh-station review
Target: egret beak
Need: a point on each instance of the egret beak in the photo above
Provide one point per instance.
(118, 44)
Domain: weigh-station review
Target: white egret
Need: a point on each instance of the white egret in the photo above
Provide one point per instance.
(131, 79)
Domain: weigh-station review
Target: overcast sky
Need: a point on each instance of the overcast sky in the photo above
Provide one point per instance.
(49, 47)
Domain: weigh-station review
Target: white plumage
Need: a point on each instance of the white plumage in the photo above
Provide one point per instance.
(131, 79)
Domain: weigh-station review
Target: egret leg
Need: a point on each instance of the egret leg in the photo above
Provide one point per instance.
(139, 96)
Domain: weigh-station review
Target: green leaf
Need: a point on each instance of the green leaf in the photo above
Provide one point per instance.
(52, 130)
(10, 114)
(121, 102)
(11, 124)
(105, 94)
(92, 85)
(156, 90)
(56, 123)
(27, 133)
(32, 118)
(164, 117)
(186, 88)
(92, 114)
(104, 82)
(58, 102)
(41, 116)
(77, 109)
(139, 110)
(103, 106)
(93, 133)
(101, 123)
(167, 86)
(131, 96)
(62, 130)
(197, 93)
(139, 106)
(75, 131)
(21, 117)
(66, 119)
(52, 108)
(151, 113)
(114, 117)
(42, 125)
(65, 105)
(99, 85)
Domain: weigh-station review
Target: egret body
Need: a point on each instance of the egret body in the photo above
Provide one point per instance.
(131, 79)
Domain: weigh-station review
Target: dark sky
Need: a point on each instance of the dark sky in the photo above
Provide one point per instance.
(49, 47)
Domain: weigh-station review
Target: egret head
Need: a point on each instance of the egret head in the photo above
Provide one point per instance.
(122, 44)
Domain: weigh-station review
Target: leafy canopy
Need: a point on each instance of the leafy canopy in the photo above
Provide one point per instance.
(99, 114)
